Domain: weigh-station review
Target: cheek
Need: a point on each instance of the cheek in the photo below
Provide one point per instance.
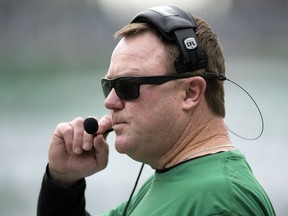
(158, 115)
(153, 127)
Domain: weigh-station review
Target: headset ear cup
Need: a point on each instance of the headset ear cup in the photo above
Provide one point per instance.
(191, 56)
(178, 26)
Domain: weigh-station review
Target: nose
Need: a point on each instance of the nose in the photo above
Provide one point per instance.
(112, 101)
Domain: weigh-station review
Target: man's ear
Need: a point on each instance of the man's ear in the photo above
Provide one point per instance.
(194, 92)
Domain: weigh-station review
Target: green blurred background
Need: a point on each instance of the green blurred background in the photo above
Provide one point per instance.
(53, 53)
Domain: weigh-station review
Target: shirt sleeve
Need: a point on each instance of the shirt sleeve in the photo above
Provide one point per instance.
(54, 200)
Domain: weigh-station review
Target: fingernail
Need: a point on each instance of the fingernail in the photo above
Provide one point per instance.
(87, 146)
(77, 150)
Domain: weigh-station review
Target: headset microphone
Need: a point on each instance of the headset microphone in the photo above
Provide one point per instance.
(91, 126)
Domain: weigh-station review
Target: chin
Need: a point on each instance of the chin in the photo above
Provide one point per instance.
(121, 147)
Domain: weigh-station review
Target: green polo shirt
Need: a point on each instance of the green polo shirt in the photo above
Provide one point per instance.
(217, 184)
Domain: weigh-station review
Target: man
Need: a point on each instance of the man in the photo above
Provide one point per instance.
(164, 90)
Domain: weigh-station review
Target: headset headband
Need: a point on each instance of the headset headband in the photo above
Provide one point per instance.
(176, 25)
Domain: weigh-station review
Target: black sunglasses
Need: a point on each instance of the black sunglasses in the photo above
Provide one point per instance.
(128, 88)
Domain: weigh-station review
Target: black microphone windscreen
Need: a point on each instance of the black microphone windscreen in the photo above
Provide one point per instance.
(90, 125)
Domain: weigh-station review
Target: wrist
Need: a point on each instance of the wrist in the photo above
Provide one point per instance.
(61, 180)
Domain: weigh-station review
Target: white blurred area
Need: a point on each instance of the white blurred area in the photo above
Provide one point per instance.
(113, 7)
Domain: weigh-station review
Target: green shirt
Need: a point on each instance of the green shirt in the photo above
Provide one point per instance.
(218, 184)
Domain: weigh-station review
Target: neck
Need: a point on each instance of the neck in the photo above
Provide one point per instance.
(210, 138)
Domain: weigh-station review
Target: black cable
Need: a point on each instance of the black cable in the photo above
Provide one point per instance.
(134, 188)
(260, 113)
(212, 75)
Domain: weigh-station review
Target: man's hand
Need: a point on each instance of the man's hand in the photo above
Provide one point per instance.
(74, 154)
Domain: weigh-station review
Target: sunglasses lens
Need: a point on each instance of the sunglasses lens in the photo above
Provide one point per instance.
(106, 86)
(127, 89)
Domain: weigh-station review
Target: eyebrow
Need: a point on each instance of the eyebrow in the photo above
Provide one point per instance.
(132, 74)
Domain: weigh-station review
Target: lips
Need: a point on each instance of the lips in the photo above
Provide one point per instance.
(119, 127)
(116, 119)
(117, 122)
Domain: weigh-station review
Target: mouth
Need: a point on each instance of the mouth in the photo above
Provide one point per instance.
(119, 127)
(115, 124)
(118, 122)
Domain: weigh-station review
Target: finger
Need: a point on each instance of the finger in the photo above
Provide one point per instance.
(105, 123)
(87, 143)
(64, 132)
(78, 130)
(101, 151)
(88, 138)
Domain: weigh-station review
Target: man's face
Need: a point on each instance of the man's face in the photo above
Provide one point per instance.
(146, 127)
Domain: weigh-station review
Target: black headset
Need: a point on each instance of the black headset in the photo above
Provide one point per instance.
(176, 25)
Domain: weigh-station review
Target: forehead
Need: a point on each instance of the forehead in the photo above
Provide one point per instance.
(138, 55)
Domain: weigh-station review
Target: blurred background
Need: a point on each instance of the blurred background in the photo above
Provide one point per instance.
(53, 54)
